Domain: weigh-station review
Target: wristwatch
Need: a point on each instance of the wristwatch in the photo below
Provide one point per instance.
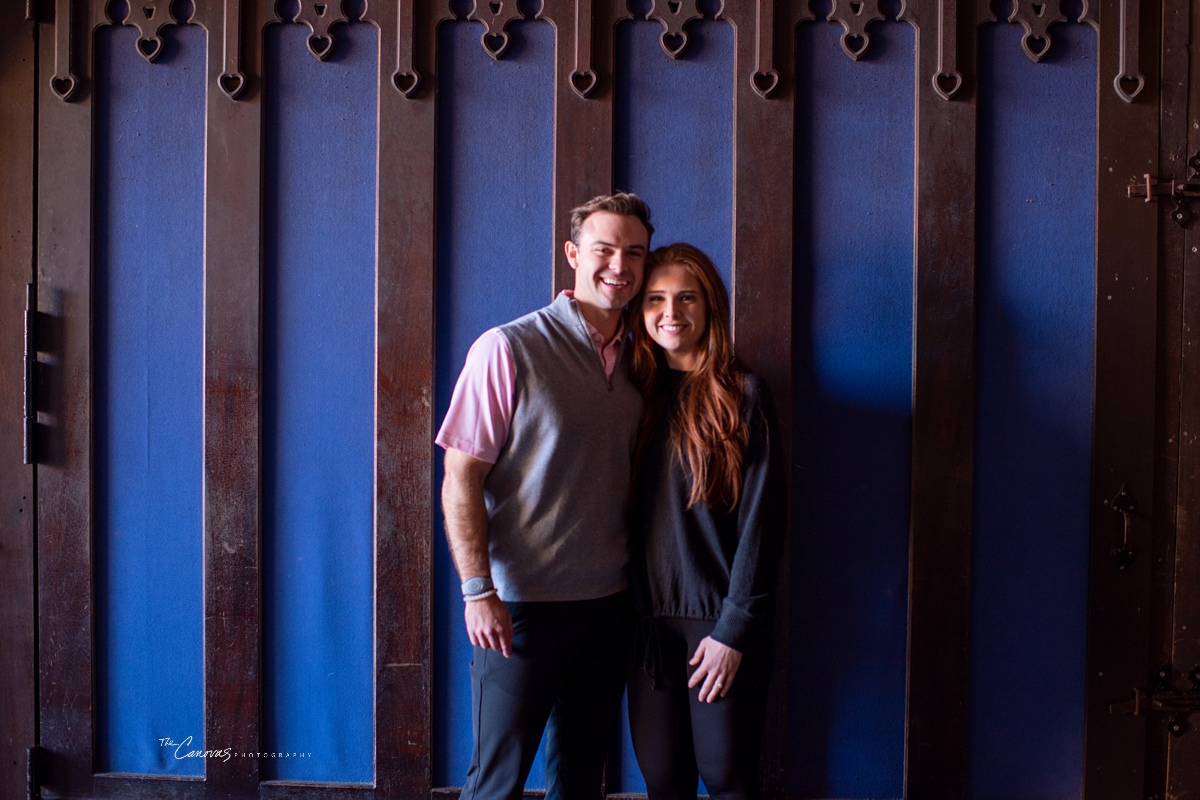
(477, 585)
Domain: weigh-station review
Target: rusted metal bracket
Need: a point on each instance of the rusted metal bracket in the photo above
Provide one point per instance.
(1125, 505)
(30, 397)
(406, 79)
(1163, 699)
(495, 16)
(1180, 192)
(855, 16)
(674, 15)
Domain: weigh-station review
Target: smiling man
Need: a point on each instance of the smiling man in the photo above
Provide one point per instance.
(538, 439)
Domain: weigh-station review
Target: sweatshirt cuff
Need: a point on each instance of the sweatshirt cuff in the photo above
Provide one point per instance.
(734, 627)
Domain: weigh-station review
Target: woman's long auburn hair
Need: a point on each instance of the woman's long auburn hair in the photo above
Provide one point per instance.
(708, 433)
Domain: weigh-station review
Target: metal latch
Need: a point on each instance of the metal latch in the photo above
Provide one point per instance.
(1163, 699)
(1181, 192)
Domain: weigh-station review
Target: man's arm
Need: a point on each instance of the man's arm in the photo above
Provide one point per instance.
(489, 625)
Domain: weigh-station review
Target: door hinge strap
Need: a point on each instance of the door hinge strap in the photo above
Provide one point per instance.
(34, 759)
(30, 411)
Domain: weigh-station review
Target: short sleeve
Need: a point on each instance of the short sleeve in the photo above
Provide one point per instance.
(481, 407)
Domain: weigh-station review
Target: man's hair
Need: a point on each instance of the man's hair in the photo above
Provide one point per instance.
(625, 203)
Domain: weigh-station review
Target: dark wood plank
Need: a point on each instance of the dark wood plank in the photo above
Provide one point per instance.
(583, 126)
(232, 291)
(150, 787)
(295, 790)
(1124, 406)
(1173, 138)
(18, 659)
(1183, 753)
(64, 507)
(943, 443)
(763, 213)
(406, 242)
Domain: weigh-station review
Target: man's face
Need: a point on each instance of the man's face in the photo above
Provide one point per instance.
(609, 259)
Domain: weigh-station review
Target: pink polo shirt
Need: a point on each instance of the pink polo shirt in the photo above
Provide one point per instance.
(481, 407)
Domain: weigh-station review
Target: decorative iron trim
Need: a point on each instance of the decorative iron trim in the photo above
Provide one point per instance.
(583, 77)
(674, 15)
(320, 16)
(495, 16)
(232, 81)
(1129, 81)
(765, 79)
(63, 82)
(947, 80)
(1036, 17)
(406, 79)
(855, 16)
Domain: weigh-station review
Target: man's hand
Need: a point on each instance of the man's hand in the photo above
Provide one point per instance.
(489, 625)
(718, 665)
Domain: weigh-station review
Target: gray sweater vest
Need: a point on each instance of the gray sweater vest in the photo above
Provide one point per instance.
(557, 495)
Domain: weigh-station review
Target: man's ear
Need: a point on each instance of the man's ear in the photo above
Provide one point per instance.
(572, 253)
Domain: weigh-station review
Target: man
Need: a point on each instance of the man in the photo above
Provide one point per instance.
(538, 443)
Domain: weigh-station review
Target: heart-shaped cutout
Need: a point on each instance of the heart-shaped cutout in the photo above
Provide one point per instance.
(406, 82)
(232, 84)
(855, 44)
(64, 86)
(584, 83)
(320, 46)
(495, 43)
(150, 48)
(764, 83)
(947, 84)
(1129, 86)
(673, 43)
(1036, 47)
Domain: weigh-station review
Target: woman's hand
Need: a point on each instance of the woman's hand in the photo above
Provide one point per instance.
(718, 664)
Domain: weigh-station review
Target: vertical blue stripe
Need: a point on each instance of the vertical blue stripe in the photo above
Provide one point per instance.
(853, 398)
(318, 405)
(1036, 285)
(495, 258)
(149, 340)
(673, 125)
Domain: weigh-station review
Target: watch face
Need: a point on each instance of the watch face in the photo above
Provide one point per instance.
(475, 586)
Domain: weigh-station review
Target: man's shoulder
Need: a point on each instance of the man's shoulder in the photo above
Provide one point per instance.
(545, 321)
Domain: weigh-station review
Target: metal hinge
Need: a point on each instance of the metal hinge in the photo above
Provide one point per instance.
(30, 412)
(34, 759)
(1163, 699)
(1180, 192)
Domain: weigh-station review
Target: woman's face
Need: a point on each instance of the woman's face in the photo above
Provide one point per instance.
(675, 314)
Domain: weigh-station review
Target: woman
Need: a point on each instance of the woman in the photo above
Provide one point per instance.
(708, 533)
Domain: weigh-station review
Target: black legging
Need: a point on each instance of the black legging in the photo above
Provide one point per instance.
(675, 736)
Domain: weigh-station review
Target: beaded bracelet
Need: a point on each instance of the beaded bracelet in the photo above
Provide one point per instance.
(481, 596)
